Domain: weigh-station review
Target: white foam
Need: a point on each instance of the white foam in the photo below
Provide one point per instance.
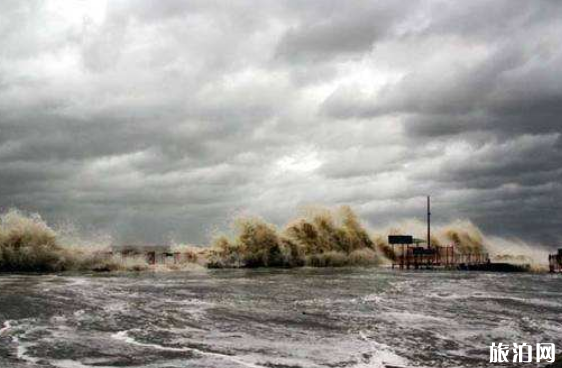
(23, 347)
(412, 317)
(21, 352)
(374, 298)
(124, 336)
(6, 326)
(67, 363)
(383, 355)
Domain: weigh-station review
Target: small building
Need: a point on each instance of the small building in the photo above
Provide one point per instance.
(153, 254)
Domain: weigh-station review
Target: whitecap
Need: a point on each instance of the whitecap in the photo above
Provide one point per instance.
(124, 337)
(383, 355)
(6, 327)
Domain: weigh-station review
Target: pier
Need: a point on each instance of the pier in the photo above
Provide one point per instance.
(410, 253)
(413, 253)
(416, 256)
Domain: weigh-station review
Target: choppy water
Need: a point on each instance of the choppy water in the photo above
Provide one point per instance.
(273, 318)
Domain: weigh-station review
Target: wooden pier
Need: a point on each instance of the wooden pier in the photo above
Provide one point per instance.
(410, 252)
(415, 256)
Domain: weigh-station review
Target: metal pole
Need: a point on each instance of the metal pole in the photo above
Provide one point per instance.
(428, 222)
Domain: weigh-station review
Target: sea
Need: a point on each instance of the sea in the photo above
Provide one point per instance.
(275, 318)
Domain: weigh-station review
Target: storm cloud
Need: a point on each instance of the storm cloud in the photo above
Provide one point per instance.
(154, 120)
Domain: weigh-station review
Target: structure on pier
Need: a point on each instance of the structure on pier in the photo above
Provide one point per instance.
(555, 262)
(417, 255)
(410, 252)
(153, 254)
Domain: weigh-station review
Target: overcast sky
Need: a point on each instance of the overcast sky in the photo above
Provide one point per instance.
(158, 119)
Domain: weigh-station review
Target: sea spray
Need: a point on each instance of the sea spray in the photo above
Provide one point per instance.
(257, 244)
(516, 251)
(319, 237)
(28, 244)
(468, 238)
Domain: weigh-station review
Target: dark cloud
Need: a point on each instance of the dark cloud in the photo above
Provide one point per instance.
(155, 120)
(339, 30)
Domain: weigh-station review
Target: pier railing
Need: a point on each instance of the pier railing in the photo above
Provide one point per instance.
(409, 256)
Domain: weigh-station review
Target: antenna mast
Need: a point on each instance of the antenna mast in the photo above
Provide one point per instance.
(428, 221)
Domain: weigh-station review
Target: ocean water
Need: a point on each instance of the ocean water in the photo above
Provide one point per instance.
(360, 317)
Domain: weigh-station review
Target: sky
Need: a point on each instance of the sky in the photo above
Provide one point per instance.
(156, 120)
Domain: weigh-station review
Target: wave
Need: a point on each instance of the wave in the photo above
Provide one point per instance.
(319, 237)
(28, 244)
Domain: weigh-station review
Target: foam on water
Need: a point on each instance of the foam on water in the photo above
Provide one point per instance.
(22, 347)
(5, 327)
(124, 336)
(382, 355)
(306, 318)
(68, 363)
